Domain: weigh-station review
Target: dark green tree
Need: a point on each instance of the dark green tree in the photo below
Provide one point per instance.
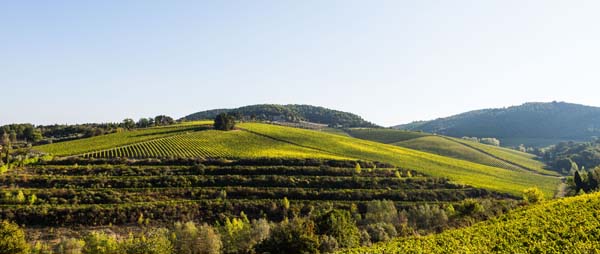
(340, 225)
(128, 123)
(291, 237)
(579, 184)
(224, 122)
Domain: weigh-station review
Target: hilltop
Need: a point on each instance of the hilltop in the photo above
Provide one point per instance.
(532, 124)
(288, 113)
(569, 224)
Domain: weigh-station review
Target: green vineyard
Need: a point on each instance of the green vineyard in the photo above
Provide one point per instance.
(569, 225)
(71, 193)
(257, 140)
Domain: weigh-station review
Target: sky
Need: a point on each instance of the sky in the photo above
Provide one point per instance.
(391, 62)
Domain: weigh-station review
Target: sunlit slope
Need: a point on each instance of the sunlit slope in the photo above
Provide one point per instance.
(254, 140)
(520, 158)
(108, 141)
(570, 225)
(386, 136)
(456, 148)
(476, 152)
(237, 144)
(478, 175)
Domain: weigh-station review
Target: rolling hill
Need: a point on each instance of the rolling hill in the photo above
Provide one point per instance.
(274, 141)
(532, 124)
(566, 225)
(288, 113)
(455, 148)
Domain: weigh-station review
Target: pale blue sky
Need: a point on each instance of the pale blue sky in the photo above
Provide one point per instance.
(389, 61)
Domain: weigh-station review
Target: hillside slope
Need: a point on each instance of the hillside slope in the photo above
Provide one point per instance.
(290, 112)
(569, 225)
(532, 124)
(455, 148)
(286, 142)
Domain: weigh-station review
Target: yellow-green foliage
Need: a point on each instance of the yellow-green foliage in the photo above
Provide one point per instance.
(214, 144)
(263, 140)
(386, 136)
(570, 225)
(522, 159)
(117, 139)
(461, 171)
(451, 148)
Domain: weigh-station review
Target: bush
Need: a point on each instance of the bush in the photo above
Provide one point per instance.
(12, 239)
(208, 241)
(293, 237)
(533, 195)
(100, 243)
(340, 225)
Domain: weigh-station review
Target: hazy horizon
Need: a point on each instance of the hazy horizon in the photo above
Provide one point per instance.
(390, 62)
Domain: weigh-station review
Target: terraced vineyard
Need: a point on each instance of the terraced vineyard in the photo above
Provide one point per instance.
(72, 195)
(567, 225)
(255, 140)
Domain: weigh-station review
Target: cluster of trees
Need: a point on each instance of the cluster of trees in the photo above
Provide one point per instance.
(488, 141)
(568, 157)
(288, 113)
(21, 132)
(224, 122)
(40, 134)
(159, 120)
(584, 181)
(318, 231)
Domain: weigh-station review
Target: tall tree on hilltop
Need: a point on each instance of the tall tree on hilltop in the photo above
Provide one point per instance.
(224, 122)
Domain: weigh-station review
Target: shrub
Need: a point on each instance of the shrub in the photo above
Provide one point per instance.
(533, 195)
(100, 243)
(340, 225)
(291, 237)
(12, 239)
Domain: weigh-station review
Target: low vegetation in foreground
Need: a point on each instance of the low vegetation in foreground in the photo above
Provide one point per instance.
(569, 225)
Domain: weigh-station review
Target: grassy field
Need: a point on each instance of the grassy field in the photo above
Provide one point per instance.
(522, 159)
(262, 140)
(456, 148)
(386, 136)
(567, 225)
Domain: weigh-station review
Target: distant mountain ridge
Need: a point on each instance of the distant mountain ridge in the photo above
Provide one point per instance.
(533, 124)
(288, 113)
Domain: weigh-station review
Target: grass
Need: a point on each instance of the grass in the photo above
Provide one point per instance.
(522, 159)
(567, 225)
(386, 136)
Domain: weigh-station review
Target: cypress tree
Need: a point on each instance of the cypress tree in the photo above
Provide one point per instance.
(579, 184)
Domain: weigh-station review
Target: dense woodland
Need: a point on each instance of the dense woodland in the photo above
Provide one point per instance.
(289, 113)
(555, 120)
